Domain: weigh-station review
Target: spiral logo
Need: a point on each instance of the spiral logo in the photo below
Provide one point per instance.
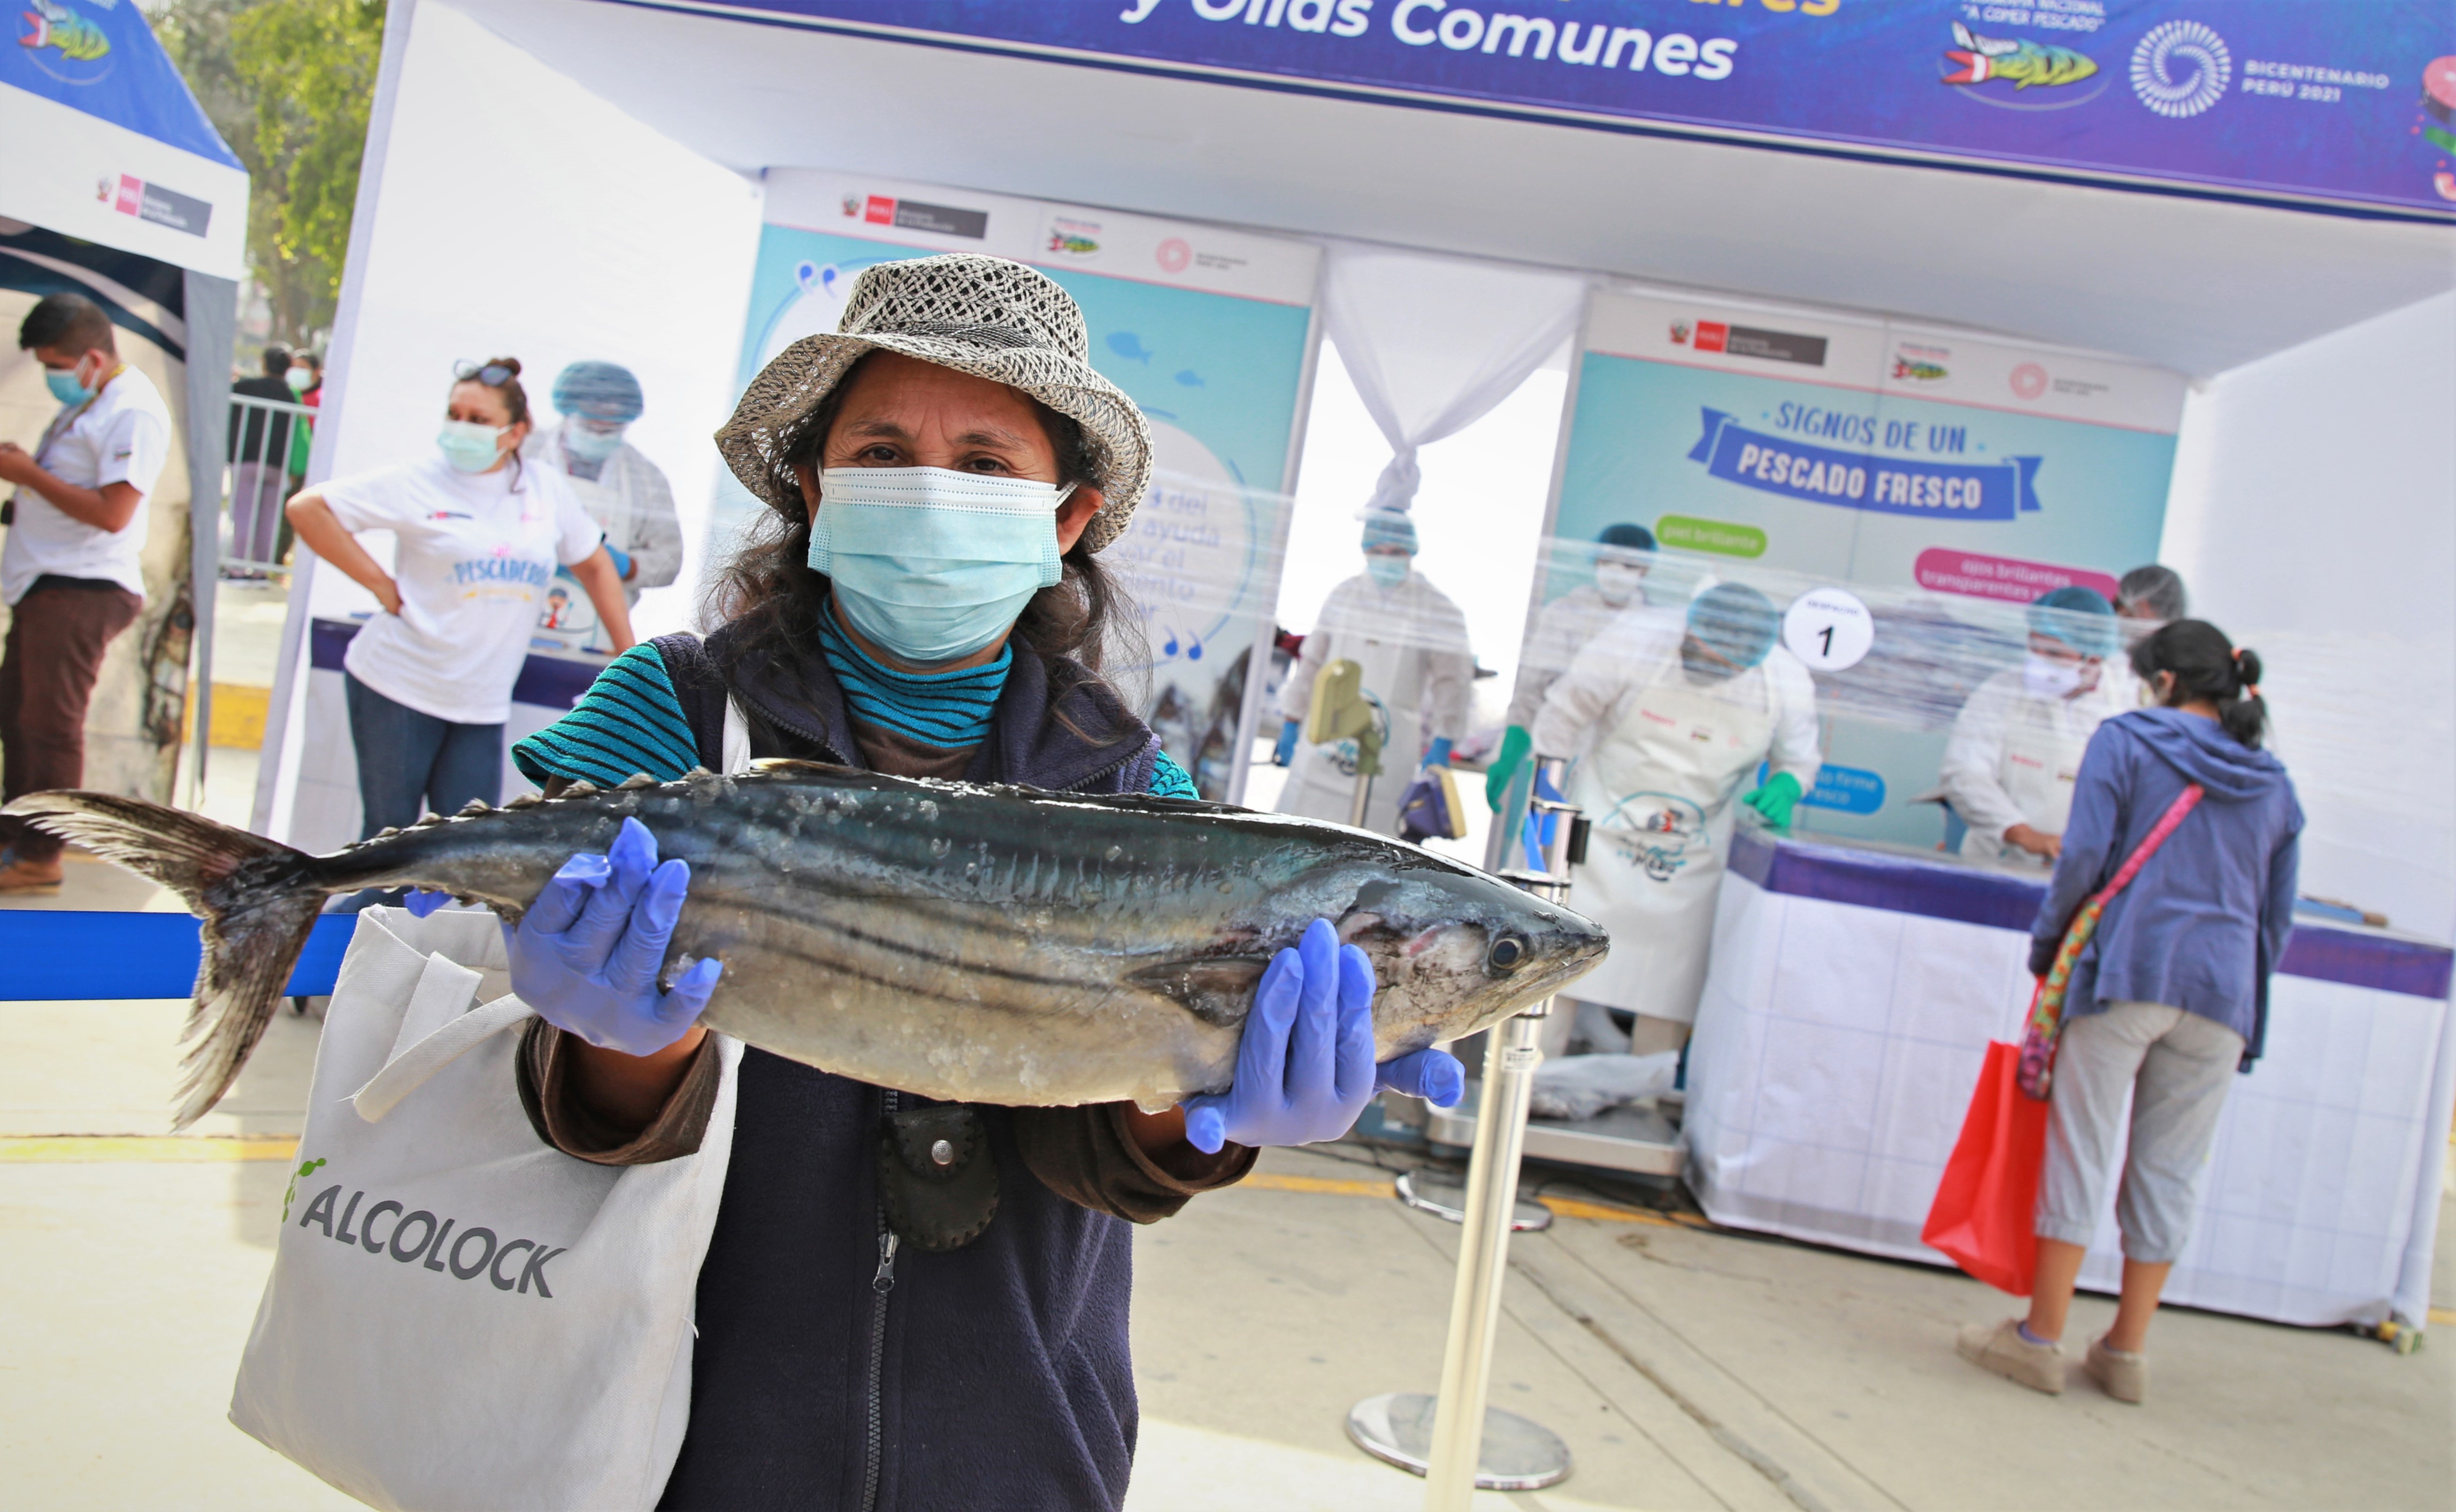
(2180, 69)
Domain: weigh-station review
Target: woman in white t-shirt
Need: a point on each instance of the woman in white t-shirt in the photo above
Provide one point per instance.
(478, 538)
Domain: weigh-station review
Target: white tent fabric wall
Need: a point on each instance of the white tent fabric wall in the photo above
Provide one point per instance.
(1433, 343)
(2314, 518)
(588, 235)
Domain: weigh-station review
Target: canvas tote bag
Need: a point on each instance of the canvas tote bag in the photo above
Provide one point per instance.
(460, 1317)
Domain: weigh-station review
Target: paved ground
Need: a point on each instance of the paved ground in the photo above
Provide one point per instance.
(1687, 1368)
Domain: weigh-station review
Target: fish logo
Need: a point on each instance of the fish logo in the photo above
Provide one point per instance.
(1917, 371)
(52, 24)
(2019, 61)
(1070, 244)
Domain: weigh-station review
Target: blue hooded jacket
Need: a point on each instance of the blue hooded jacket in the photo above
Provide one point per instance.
(2204, 921)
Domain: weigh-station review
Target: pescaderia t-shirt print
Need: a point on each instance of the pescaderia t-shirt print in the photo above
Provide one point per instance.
(475, 554)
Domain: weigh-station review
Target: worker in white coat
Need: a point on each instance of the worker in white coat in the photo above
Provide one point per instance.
(1411, 643)
(2016, 744)
(1667, 719)
(1623, 554)
(622, 490)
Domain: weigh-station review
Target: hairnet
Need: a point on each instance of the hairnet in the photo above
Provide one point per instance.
(2078, 617)
(1390, 527)
(602, 391)
(2160, 588)
(1633, 538)
(1735, 622)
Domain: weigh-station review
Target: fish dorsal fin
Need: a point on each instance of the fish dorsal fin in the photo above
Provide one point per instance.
(1217, 990)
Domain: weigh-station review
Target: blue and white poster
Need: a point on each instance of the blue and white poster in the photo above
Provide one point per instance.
(1950, 481)
(1209, 330)
(2334, 102)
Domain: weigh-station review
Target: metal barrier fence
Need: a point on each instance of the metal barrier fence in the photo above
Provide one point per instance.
(267, 447)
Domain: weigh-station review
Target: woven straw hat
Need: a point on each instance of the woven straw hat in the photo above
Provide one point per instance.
(984, 316)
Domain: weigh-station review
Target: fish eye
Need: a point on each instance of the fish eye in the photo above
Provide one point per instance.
(1506, 953)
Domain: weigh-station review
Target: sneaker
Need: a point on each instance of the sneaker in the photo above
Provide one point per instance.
(2123, 1375)
(21, 877)
(2003, 1350)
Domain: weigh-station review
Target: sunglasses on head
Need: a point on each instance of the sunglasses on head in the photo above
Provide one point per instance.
(494, 375)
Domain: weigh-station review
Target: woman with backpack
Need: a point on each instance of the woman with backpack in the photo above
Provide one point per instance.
(2169, 998)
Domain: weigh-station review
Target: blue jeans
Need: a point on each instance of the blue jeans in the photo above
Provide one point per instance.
(410, 763)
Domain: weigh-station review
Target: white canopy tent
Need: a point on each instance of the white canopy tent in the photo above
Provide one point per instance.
(111, 152)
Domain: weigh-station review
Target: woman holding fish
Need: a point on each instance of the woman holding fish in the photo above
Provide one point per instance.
(970, 923)
(926, 601)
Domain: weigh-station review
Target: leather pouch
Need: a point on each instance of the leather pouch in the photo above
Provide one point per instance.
(937, 1175)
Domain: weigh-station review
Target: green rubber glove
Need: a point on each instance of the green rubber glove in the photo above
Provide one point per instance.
(1775, 800)
(1515, 743)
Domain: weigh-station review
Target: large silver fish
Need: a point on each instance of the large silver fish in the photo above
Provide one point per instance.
(985, 944)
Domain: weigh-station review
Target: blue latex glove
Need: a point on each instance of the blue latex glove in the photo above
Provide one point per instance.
(622, 560)
(1286, 751)
(1775, 800)
(1304, 1066)
(422, 903)
(587, 955)
(1437, 754)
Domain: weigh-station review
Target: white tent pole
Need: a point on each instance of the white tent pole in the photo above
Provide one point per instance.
(276, 772)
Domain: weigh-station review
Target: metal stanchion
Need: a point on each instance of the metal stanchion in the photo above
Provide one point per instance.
(1455, 1440)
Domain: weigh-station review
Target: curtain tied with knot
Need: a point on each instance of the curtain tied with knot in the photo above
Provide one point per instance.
(1433, 343)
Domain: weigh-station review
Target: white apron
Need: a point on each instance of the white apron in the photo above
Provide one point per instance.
(1659, 790)
(2037, 772)
(1322, 779)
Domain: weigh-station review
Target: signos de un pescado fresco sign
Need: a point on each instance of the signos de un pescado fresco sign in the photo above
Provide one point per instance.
(2334, 103)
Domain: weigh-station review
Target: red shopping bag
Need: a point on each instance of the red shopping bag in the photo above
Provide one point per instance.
(1985, 1211)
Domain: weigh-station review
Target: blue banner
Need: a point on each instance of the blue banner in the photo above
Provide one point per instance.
(2345, 102)
(1776, 465)
(99, 56)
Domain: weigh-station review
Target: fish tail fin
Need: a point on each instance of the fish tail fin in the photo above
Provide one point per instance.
(258, 899)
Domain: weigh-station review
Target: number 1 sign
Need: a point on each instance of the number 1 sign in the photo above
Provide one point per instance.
(1828, 630)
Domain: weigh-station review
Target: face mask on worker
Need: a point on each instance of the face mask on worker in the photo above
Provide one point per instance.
(931, 565)
(591, 440)
(300, 379)
(1617, 581)
(469, 446)
(1388, 569)
(64, 384)
(2049, 677)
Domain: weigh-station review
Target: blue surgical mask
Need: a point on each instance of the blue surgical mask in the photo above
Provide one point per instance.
(931, 564)
(1387, 570)
(469, 446)
(64, 385)
(589, 443)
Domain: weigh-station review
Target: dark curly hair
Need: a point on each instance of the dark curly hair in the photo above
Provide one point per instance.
(772, 597)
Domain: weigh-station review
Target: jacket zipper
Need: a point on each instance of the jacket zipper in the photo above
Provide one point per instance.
(881, 1284)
